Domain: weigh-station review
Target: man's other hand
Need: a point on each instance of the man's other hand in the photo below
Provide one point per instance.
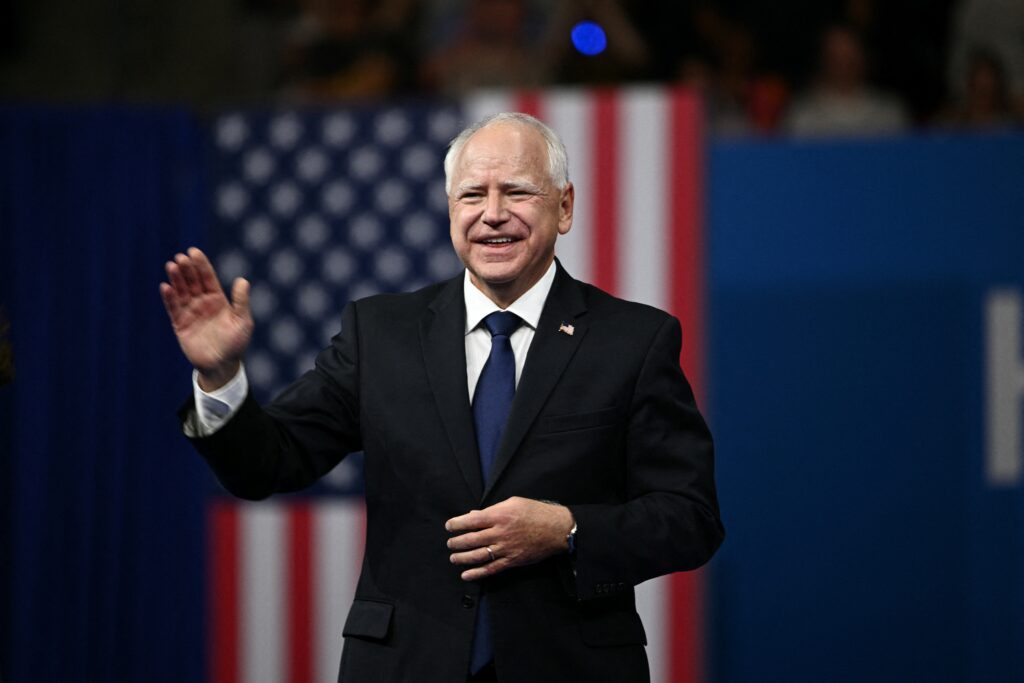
(213, 332)
(512, 533)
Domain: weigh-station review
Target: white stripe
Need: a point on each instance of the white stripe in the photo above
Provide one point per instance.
(263, 587)
(337, 547)
(570, 113)
(652, 603)
(486, 102)
(644, 186)
(643, 263)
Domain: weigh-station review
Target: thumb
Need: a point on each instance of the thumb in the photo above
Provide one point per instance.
(240, 297)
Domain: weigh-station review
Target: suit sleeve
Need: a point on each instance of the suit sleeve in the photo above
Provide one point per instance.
(301, 435)
(670, 520)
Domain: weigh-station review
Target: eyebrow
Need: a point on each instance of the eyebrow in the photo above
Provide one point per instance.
(514, 184)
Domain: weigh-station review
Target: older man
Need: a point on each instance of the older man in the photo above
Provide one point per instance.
(533, 450)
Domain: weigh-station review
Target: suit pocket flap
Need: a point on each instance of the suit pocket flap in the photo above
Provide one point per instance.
(368, 619)
(613, 628)
(565, 423)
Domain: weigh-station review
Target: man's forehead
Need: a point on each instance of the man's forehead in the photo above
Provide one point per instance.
(505, 140)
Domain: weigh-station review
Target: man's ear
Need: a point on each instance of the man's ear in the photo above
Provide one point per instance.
(565, 206)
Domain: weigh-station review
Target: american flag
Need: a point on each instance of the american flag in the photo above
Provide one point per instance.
(319, 207)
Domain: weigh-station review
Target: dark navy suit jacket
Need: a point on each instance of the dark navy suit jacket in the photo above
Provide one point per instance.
(603, 421)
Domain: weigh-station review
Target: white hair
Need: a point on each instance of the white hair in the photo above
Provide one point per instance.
(558, 159)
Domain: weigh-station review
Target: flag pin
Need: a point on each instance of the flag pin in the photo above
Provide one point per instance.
(568, 329)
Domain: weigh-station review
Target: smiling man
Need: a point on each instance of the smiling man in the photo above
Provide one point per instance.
(532, 448)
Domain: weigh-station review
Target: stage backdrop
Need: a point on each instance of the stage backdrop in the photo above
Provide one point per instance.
(101, 504)
(866, 379)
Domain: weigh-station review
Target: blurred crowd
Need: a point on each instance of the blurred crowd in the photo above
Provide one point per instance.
(813, 68)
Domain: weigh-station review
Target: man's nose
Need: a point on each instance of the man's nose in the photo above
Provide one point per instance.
(494, 210)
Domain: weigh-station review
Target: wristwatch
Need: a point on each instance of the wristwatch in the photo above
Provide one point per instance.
(571, 539)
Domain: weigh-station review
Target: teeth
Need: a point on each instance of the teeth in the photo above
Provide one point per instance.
(499, 240)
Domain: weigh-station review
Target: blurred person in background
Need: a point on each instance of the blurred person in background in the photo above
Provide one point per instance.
(350, 49)
(842, 102)
(996, 27)
(906, 42)
(986, 103)
(482, 44)
(739, 98)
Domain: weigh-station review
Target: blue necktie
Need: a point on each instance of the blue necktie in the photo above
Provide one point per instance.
(492, 401)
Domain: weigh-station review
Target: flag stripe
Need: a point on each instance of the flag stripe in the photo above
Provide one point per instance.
(567, 112)
(339, 532)
(687, 245)
(223, 662)
(300, 598)
(606, 144)
(687, 298)
(529, 102)
(263, 575)
(643, 183)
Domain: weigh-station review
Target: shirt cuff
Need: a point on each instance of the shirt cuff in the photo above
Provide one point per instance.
(216, 407)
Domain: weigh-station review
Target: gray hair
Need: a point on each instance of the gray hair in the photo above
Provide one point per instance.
(558, 159)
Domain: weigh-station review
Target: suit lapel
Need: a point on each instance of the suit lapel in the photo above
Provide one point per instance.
(442, 339)
(549, 353)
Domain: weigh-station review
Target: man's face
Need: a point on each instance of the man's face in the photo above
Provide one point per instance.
(505, 211)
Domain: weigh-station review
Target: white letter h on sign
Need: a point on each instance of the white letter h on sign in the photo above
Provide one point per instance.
(1004, 388)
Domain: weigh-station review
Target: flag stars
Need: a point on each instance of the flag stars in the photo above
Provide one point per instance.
(285, 131)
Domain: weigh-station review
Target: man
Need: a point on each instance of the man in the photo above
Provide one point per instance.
(504, 535)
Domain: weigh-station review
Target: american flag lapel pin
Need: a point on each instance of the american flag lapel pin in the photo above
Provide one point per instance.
(567, 329)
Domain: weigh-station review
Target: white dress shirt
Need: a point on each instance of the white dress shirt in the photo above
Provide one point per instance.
(216, 407)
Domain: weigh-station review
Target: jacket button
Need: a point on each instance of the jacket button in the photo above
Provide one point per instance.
(468, 601)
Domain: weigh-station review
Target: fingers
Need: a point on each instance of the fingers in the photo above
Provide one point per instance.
(485, 561)
(240, 297)
(205, 274)
(473, 520)
(487, 569)
(192, 274)
(189, 274)
(177, 280)
(475, 535)
(517, 530)
(470, 540)
(477, 555)
(170, 299)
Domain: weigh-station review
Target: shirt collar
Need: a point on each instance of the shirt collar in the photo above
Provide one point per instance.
(528, 307)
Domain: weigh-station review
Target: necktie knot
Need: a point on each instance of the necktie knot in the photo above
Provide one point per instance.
(502, 323)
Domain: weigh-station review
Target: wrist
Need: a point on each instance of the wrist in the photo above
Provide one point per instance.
(211, 379)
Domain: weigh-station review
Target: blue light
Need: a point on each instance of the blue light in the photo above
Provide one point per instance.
(588, 38)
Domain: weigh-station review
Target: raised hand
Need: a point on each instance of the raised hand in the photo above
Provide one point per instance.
(213, 332)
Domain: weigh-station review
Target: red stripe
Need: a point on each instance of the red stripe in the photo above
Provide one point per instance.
(224, 622)
(606, 202)
(528, 102)
(686, 663)
(300, 594)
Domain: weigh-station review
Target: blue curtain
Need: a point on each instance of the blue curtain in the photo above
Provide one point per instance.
(103, 547)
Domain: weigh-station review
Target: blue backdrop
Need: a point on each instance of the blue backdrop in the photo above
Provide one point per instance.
(847, 282)
(102, 551)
